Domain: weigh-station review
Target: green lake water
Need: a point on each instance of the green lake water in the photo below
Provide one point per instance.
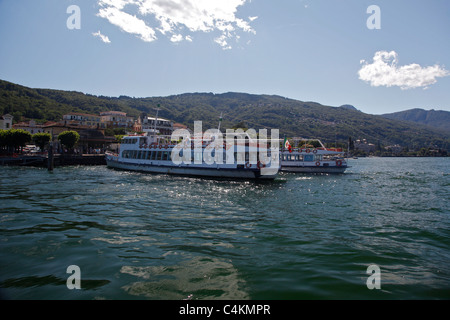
(142, 236)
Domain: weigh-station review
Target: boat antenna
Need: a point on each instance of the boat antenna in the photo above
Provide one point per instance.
(220, 121)
(156, 120)
(348, 148)
(154, 127)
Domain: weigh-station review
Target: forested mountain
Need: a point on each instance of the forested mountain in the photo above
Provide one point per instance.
(291, 117)
(433, 118)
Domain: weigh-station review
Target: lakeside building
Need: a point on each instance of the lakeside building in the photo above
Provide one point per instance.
(149, 124)
(116, 119)
(90, 137)
(6, 122)
(364, 146)
(396, 149)
(91, 128)
(84, 119)
(32, 127)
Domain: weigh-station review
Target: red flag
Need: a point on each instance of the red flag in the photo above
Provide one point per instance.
(287, 145)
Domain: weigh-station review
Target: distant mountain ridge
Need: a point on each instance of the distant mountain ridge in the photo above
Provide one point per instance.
(349, 107)
(434, 118)
(292, 117)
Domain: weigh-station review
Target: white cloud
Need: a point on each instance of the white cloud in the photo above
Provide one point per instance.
(383, 71)
(127, 22)
(222, 41)
(176, 38)
(102, 37)
(119, 4)
(175, 17)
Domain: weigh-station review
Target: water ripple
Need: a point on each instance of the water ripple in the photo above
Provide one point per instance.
(166, 237)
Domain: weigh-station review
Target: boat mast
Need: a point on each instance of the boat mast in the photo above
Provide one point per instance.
(220, 121)
(156, 120)
(348, 149)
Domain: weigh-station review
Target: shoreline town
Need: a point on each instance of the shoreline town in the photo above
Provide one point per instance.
(97, 138)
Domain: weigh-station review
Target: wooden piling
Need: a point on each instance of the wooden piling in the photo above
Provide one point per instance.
(50, 158)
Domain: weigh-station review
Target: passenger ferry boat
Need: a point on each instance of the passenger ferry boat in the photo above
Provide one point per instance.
(153, 154)
(313, 160)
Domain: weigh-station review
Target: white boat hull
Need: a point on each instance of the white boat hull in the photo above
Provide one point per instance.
(213, 171)
(313, 169)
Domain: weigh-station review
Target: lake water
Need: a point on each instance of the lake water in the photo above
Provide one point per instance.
(141, 236)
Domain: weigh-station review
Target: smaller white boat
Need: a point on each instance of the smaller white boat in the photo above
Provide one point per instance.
(310, 159)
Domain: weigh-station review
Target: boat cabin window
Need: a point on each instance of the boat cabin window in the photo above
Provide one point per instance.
(292, 157)
(128, 140)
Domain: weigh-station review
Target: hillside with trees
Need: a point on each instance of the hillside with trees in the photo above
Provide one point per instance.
(433, 118)
(292, 117)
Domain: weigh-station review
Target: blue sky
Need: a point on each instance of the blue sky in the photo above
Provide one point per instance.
(309, 50)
